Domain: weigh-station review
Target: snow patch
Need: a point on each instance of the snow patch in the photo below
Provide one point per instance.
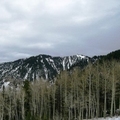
(70, 61)
(15, 69)
(26, 76)
(46, 73)
(107, 118)
(81, 56)
(63, 63)
(4, 72)
(6, 85)
(42, 61)
(51, 62)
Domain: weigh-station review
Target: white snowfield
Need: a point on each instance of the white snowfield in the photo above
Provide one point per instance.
(107, 118)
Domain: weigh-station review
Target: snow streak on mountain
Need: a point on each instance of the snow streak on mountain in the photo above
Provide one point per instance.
(39, 67)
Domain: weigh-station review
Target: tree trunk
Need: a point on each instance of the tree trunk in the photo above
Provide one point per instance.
(113, 91)
(105, 100)
(89, 97)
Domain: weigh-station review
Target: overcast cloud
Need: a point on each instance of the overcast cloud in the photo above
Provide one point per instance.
(58, 27)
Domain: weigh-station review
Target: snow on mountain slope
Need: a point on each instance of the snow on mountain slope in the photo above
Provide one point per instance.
(39, 67)
(71, 60)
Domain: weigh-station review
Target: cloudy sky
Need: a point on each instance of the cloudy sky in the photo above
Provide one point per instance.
(58, 27)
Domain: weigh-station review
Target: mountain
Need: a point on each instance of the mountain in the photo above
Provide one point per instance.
(112, 55)
(39, 67)
(45, 67)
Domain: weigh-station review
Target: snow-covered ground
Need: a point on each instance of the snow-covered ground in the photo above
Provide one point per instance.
(107, 118)
(5, 84)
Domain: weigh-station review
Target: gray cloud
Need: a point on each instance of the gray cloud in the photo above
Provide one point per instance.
(58, 27)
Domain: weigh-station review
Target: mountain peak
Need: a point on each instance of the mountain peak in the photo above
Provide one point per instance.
(45, 66)
(38, 67)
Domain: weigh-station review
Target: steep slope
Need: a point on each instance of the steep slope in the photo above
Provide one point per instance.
(113, 55)
(39, 67)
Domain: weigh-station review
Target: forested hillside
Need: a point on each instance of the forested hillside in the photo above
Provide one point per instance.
(115, 55)
(81, 93)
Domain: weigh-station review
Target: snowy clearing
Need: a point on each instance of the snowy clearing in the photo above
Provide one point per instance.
(107, 118)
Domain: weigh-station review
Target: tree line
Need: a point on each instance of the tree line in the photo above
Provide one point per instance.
(93, 91)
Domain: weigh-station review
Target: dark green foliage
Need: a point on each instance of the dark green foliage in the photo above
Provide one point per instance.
(27, 103)
(81, 64)
(113, 55)
(22, 71)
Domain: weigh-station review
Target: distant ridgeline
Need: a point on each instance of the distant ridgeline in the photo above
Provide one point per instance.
(46, 67)
(115, 55)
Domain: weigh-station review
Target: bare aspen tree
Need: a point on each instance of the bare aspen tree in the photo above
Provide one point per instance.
(10, 104)
(22, 105)
(113, 88)
(41, 102)
(97, 88)
(66, 78)
(90, 83)
(53, 94)
(118, 84)
(105, 74)
(1, 106)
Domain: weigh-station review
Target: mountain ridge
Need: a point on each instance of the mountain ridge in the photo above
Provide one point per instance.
(40, 66)
(46, 67)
